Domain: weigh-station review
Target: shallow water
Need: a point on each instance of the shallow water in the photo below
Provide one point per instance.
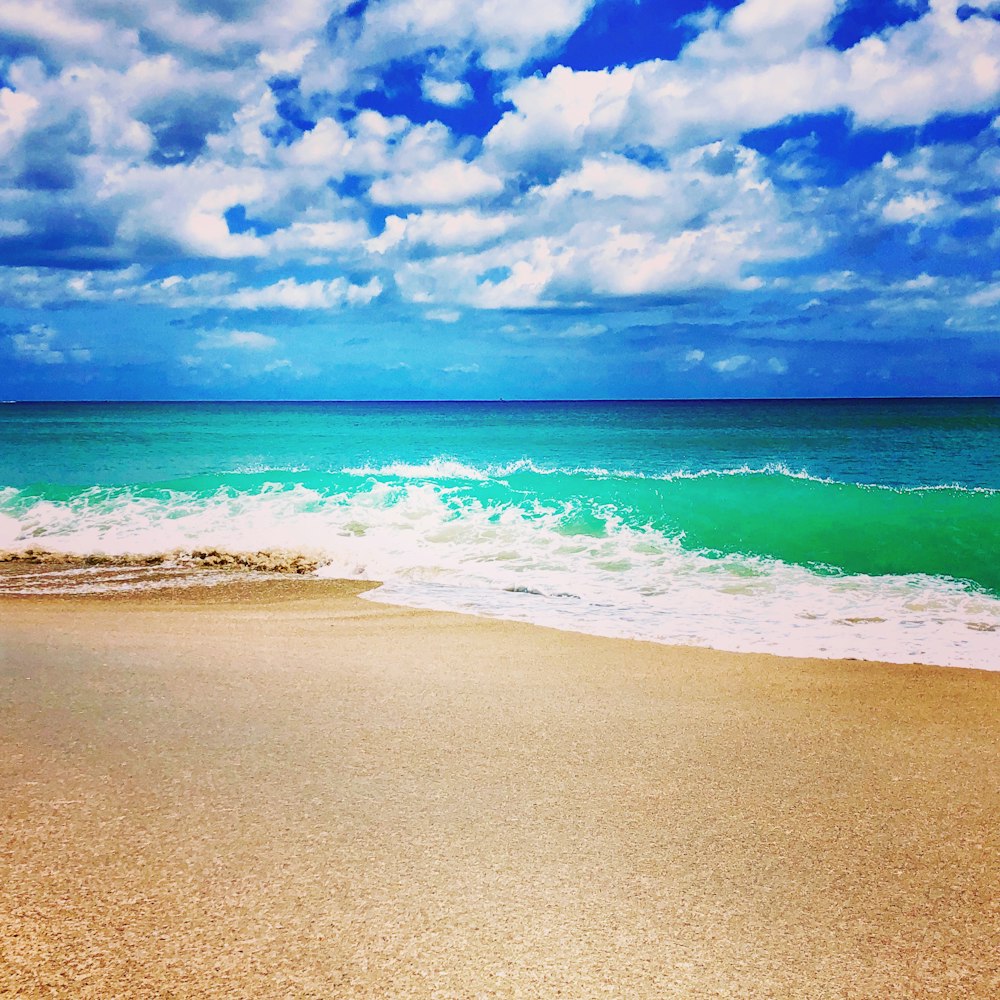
(861, 528)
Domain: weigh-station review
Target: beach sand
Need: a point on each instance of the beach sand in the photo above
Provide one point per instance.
(283, 790)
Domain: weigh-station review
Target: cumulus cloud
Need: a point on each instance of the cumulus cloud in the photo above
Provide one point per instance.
(613, 228)
(911, 206)
(985, 298)
(36, 346)
(498, 35)
(290, 294)
(326, 235)
(214, 290)
(35, 287)
(761, 29)
(450, 93)
(449, 182)
(582, 331)
(246, 340)
(242, 133)
(464, 228)
(15, 113)
(739, 365)
(285, 368)
(443, 315)
(732, 363)
(763, 63)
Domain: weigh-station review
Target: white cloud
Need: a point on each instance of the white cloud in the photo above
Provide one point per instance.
(36, 347)
(562, 112)
(152, 122)
(921, 282)
(525, 267)
(14, 227)
(694, 356)
(465, 228)
(582, 331)
(911, 206)
(461, 369)
(34, 287)
(287, 61)
(613, 176)
(216, 290)
(248, 340)
(767, 29)
(584, 263)
(331, 234)
(985, 298)
(764, 62)
(837, 281)
(290, 294)
(57, 26)
(186, 204)
(111, 34)
(731, 364)
(613, 228)
(16, 110)
(501, 35)
(325, 145)
(450, 93)
(163, 145)
(925, 68)
(449, 182)
(777, 365)
(443, 315)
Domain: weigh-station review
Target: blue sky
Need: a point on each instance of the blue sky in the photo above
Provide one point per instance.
(413, 199)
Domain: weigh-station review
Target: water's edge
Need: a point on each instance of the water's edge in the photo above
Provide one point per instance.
(38, 573)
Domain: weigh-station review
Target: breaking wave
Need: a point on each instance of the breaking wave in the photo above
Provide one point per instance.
(769, 558)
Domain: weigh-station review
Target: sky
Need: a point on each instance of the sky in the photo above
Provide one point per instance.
(472, 199)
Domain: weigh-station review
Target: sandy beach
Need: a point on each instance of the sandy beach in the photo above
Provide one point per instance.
(283, 790)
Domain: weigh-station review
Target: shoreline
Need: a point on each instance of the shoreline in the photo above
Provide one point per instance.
(204, 571)
(277, 788)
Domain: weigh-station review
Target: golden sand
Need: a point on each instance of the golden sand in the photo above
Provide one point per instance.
(282, 790)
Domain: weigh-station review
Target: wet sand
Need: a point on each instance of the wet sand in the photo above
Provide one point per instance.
(282, 790)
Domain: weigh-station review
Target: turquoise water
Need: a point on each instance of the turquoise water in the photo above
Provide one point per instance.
(786, 525)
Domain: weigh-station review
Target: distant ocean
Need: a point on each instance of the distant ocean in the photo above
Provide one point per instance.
(825, 528)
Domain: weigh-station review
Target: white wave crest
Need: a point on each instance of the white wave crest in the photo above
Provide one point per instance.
(438, 547)
(443, 467)
(436, 468)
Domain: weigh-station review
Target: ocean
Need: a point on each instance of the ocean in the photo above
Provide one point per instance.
(862, 528)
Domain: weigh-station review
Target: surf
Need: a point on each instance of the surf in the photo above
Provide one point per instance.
(769, 514)
(769, 559)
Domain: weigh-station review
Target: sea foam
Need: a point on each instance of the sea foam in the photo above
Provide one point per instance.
(497, 541)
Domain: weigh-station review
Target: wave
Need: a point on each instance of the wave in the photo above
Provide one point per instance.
(768, 513)
(437, 469)
(761, 558)
(451, 468)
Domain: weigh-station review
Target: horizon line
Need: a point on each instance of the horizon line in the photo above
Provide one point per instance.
(504, 399)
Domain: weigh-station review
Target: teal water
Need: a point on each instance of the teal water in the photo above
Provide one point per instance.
(724, 523)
